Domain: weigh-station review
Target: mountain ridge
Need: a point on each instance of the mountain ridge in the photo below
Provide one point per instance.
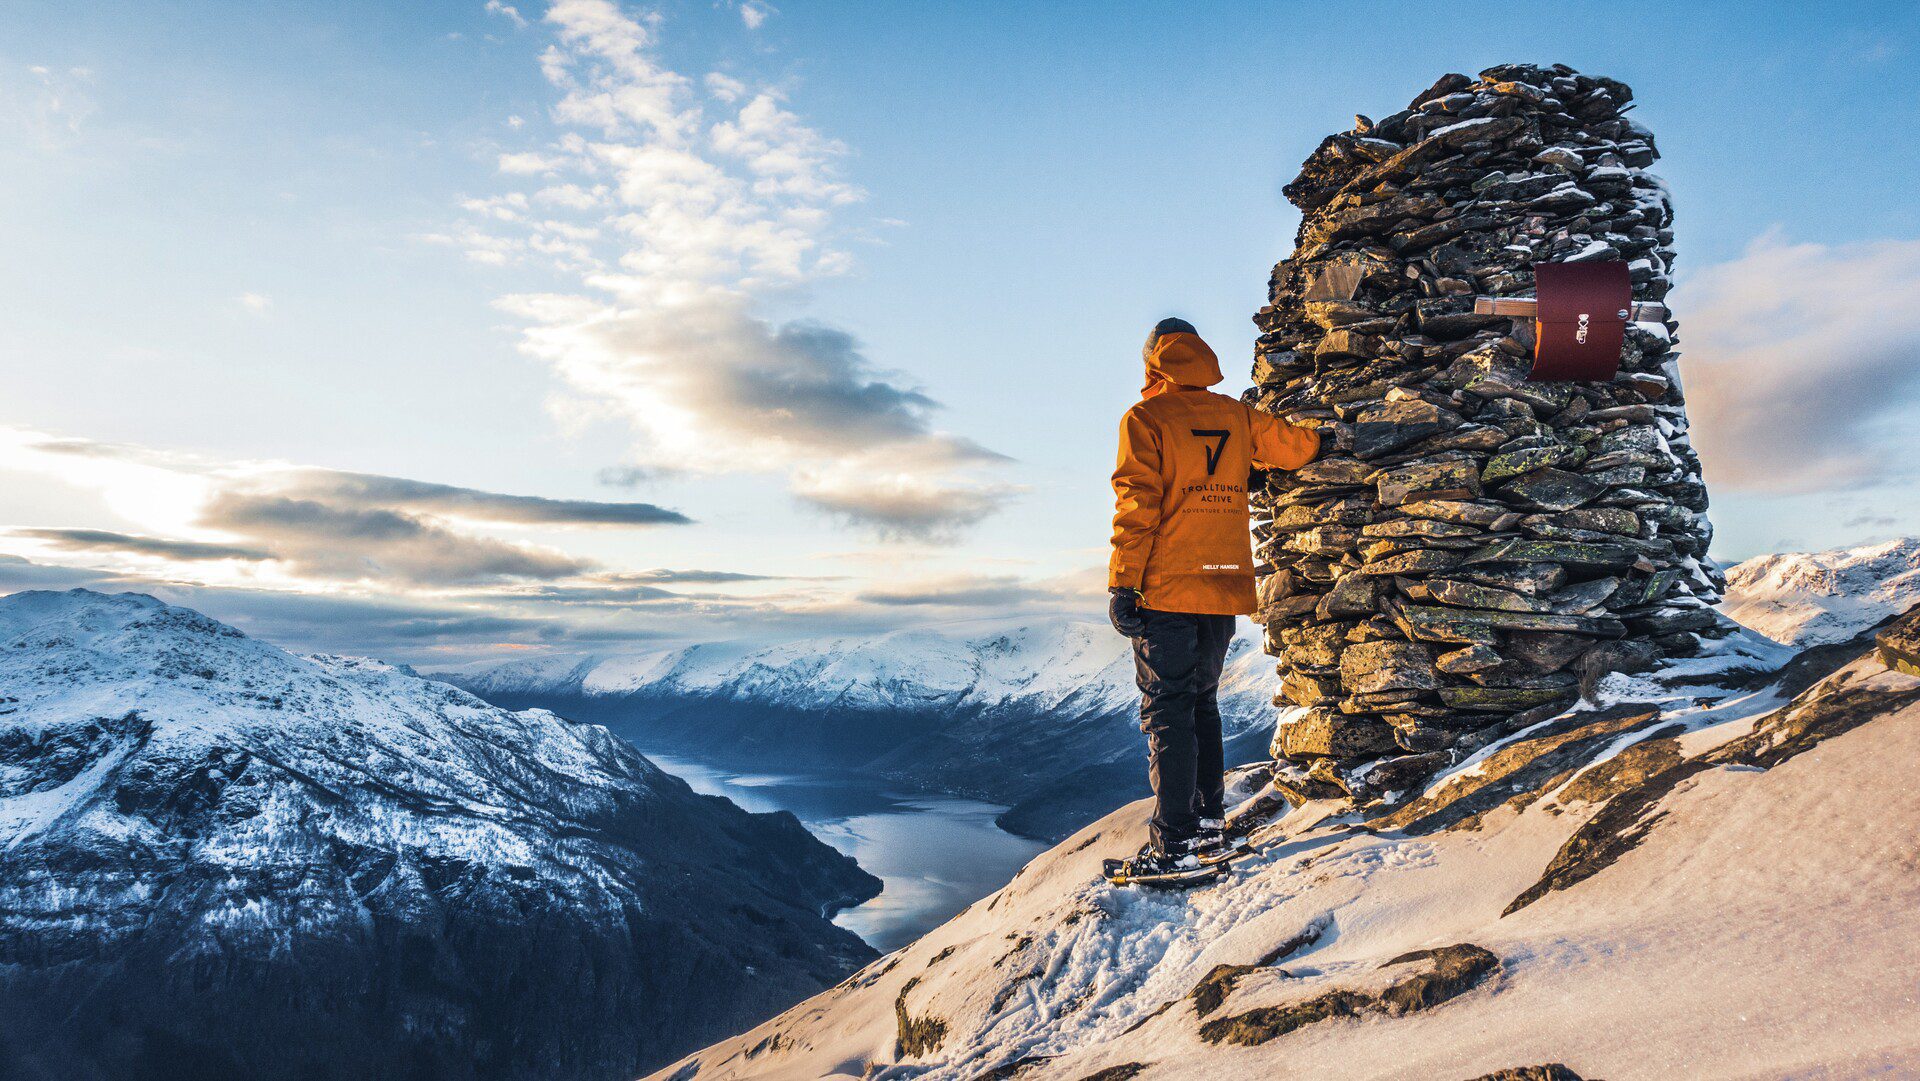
(232, 861)
(1818, 598)
(1042, 715)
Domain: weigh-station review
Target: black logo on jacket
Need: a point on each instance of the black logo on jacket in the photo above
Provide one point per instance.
(1213, 452)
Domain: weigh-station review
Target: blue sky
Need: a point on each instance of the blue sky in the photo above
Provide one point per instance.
(258, 251)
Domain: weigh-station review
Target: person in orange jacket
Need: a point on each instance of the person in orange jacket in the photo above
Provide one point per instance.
(1182, 569)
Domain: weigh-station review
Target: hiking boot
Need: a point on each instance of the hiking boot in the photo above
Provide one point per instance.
(1211, 841)
(1153, 860)
(1202, 847)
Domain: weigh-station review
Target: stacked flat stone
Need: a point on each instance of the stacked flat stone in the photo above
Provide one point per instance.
(1470, 545)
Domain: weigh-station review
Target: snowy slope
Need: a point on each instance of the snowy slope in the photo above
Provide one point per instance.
(1708, 874)
(224, 860)
(1809, 598)
(1042, 715)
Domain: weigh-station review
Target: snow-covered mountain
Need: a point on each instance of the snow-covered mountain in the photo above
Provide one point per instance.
(1051, 664)
(1041, 715)
(1706, 873)
(1810, 598)
(219, 860)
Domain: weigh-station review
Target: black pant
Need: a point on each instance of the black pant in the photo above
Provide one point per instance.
(1177, 663)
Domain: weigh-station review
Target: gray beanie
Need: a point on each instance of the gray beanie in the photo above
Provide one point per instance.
(1163, 328)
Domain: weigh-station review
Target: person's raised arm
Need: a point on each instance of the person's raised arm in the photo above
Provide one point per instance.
(1278, 444)
(1137, 492)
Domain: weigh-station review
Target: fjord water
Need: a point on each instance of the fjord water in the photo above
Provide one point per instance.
(936, 854)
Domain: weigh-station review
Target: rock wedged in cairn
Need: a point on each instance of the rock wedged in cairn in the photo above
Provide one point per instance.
(1471, 547)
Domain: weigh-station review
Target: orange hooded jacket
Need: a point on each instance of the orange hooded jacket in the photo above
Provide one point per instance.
(1180, 532)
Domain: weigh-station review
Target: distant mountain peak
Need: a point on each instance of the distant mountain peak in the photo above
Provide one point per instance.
(1816, 598)
(982, 664)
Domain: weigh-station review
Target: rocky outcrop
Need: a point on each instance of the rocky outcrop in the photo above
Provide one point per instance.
(1211, 992)
(1439, 975)
(1900, 644)
(1471, 545)
(917, 1035)
(218, 860)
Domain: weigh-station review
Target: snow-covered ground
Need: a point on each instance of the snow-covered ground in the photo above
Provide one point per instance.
(1699, 876)
(1811, 598)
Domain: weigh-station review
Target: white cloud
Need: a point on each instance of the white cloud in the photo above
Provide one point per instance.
(572, 196)
(676, 206)
(785, 156)
(326, 559)
(509, 12)
(740, 200)
(754, 13)
(897, 504)
(51, 105)
(105, 540)
(957, 594)
(258, 303)
(479, 246)
(508, 207)
(712, 388)
(610, 81)
(1801, 360)
(725, 88)
(531, 162)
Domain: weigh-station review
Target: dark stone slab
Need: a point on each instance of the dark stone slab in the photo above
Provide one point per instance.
(1553, 489)
(1430, 480)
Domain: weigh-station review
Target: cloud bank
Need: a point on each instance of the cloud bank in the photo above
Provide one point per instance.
(673, 208)
(367, 489)
(310, 525)
(1800, 361)
(102, 540)
(421, 571)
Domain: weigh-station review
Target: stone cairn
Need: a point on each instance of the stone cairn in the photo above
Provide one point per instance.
(1470, 547)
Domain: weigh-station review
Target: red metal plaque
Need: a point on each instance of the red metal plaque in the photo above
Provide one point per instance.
(1582, 320)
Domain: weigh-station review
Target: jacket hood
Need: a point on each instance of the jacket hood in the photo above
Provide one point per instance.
(1180, 360)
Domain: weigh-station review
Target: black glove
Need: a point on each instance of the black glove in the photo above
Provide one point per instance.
(1124, 611)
